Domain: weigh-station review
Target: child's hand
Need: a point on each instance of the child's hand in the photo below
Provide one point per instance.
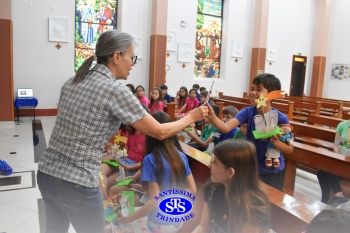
(189, 133)
(211, 113)
(274, 139)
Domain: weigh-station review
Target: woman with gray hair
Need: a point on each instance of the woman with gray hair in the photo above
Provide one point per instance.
(91, 107)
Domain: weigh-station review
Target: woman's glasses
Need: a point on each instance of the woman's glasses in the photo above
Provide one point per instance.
(134, 59)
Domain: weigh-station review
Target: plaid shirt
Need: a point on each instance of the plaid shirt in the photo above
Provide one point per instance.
(89, 113)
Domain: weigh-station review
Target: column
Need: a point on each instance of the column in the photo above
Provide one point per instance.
(259, 38)
(158, 43)
(322, 19)
(6, 73)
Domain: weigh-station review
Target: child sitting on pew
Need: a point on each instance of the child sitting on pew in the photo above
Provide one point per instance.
(241, 133)
(228, 113)
(191, 103)
(234, 198)
(156, 100)
(208, 135)
(330, 181)
(135, 147)
(261, 86)
(164, 167)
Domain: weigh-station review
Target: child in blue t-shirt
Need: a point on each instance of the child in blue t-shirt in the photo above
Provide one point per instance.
(228, 113)
(261, 86)
(164, 167)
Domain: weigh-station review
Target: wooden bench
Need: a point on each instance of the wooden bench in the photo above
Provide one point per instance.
(328, 108)
(316, 158)
(288, 214)
(345, 104)
(286, 108)
(324, 121)
(313, 135)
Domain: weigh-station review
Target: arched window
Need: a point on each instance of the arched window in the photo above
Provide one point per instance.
(92, 17)
(208, 39)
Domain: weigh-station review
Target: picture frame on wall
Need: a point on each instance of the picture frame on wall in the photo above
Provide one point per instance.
(58, 29)
(185, 53)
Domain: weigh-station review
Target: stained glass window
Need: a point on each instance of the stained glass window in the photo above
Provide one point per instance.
(208, 39)
(92, 17)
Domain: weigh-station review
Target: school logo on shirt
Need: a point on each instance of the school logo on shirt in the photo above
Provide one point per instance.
(175, 205)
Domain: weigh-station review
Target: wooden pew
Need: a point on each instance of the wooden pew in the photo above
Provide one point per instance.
(346, 104)
(313, 135)
(170, 109)
(238, 105)
(288, 214)
(324, 121)
(285, 107)
(315, 158)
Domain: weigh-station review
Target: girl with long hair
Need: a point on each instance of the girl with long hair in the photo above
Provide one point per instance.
(181, 97)
(156, 100)
(234, 199)
(165, 166)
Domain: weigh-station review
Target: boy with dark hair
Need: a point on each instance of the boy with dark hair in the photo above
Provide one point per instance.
(261, 86)
(201, 143)
(202, 89)
(228, 113)
(203, 98)
(166, 98)
(196, 87)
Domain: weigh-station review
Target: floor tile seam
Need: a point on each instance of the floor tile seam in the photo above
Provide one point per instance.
(20, 222)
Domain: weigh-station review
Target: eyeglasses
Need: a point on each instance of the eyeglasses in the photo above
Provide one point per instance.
(134, 59)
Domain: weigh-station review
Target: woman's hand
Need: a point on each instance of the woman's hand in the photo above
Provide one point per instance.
(199, 113)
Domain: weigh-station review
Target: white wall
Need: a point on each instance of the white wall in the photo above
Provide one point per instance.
(290, 30)
(338, 50)
(237, 23)
(38, 64)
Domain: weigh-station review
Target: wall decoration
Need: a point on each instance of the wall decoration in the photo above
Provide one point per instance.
(138, 43)
(208, 39)
(92, 18)
(58, 29)
(271, 53)
(340, 72)
(237, 48)
(171, 41)
(185, 52)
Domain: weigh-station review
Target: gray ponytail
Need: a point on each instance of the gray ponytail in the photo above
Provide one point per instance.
(108, 43)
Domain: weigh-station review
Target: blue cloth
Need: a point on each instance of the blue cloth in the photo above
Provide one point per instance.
(149, 175)
(229, 135)
(63, 198)
(23, 102)
(211, 71)
(246, 115)
(198, 96)
(129, 162)
(167, 97)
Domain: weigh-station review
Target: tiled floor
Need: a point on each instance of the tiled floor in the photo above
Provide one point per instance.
(19, 211)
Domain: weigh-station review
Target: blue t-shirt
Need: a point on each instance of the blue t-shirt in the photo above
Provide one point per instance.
(229, 135)
(246, 115)
(149, 175)
(167, 97)
(198, 96)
